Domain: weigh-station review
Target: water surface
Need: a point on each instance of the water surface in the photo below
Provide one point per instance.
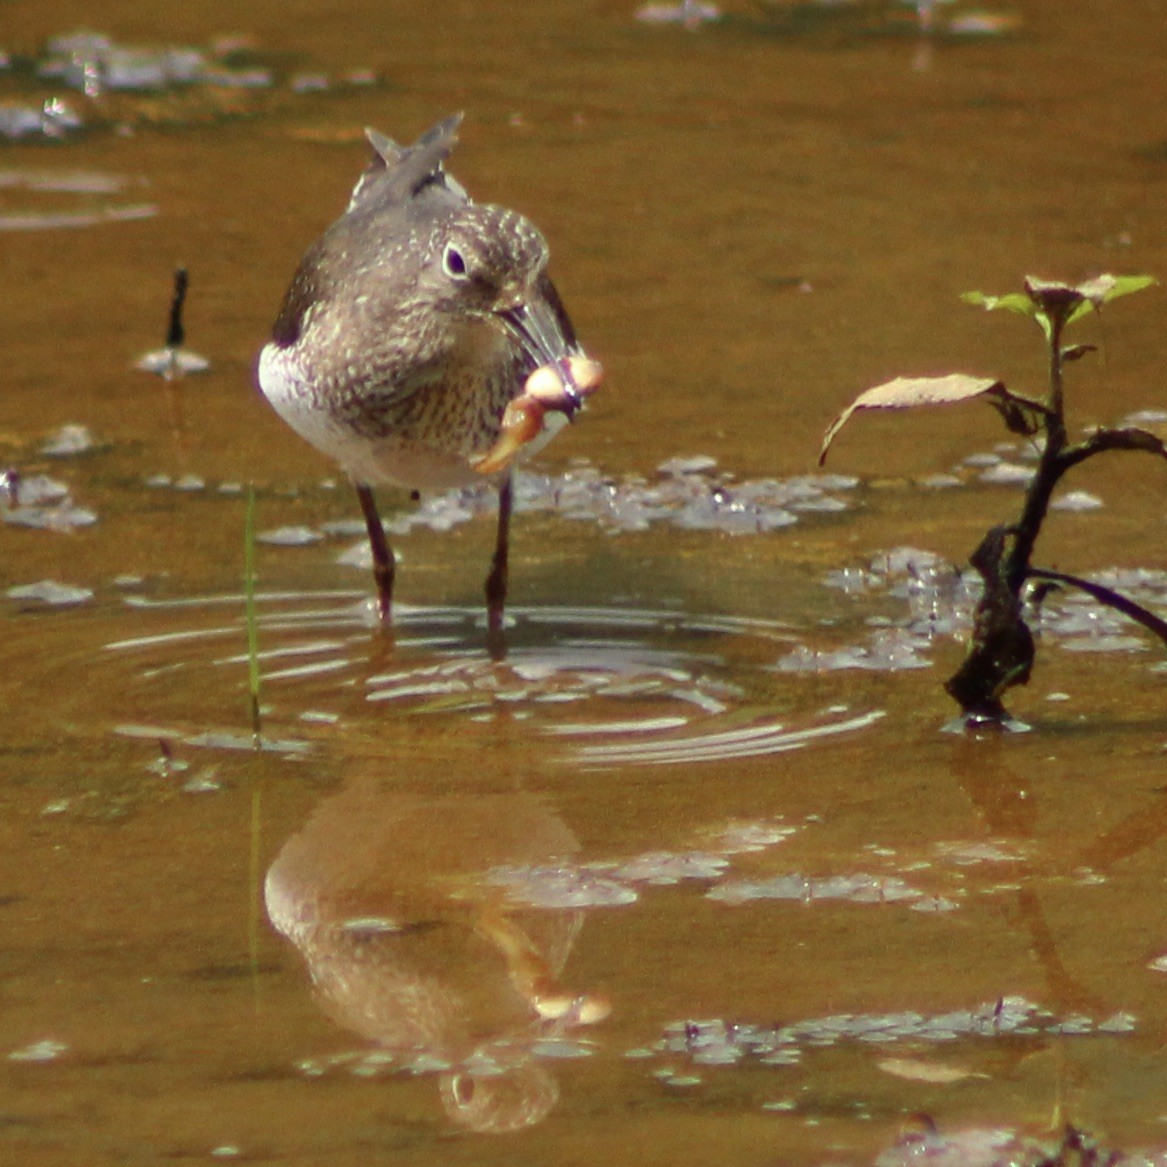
(693, 876)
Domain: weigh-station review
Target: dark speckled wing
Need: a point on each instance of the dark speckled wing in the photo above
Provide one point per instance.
(400, 184)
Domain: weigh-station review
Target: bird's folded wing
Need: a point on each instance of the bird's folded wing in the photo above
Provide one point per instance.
(397, 174)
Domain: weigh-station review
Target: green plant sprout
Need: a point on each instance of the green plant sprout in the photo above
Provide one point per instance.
(1001, 648)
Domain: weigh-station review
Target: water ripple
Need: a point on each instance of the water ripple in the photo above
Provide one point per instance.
(611, 686)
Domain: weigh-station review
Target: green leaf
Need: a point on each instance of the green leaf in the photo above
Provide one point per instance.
(1104, 288)
(1012, 302)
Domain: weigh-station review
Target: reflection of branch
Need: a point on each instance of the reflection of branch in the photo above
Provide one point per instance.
(1064, 989)
(1140, 829)
(998, 795)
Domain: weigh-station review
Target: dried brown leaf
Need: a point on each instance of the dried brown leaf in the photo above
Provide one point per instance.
(910, 392)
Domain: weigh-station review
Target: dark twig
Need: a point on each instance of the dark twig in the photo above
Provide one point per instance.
(1108, 439)
(1107, 596)
(175, 333)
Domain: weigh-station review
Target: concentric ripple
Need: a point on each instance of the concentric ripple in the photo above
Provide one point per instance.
(610, 686)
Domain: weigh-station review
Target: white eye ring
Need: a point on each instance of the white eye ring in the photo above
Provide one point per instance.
(454, 263)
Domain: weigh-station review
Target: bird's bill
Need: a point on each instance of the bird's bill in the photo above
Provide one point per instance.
(539, 332)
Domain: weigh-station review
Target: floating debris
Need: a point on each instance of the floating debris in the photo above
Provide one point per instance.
(41, 503)
(718, 1042)
(973, 853)
(560, 887)
(170, 363)
(859, 889)
(206, 781)
(689, 14)
(129, 84)
(1076, 500)
(941, 600)
(610, 883)
(982, 461)
(230, 740)
(62, 517)
(51, 594)
(289, 537)
(51, 121)
(694, 464)
(750, 837)
(47, 1050)
(1008, 474)
(890, 651)
(69, 441)
(688, 494)
(93, 63)
(662, 868)
(214, 739)
(940, 482)
(1144, 417)
(989, 1147)
(982, 24)
(35, 490)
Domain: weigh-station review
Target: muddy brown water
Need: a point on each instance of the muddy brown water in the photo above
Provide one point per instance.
(392, 935)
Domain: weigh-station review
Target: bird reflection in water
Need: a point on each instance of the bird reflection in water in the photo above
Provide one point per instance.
(407, 946)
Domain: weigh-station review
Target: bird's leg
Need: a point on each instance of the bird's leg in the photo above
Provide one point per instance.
(382, 554)
(496, 581)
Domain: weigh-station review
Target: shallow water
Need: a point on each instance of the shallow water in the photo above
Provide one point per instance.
(694, 875)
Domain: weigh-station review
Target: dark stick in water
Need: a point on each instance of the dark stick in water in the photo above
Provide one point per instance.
(175, 333)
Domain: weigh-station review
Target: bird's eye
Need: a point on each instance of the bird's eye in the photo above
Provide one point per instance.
(453, 263)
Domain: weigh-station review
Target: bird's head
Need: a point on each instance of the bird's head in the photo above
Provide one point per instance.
(488, 266)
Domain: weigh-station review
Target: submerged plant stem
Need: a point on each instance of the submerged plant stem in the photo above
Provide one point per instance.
(254, 888)
(250, 614)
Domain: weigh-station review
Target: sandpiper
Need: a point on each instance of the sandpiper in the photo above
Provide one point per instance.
(422, 344)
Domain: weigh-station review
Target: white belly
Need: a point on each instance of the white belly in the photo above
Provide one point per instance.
(381, 461)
